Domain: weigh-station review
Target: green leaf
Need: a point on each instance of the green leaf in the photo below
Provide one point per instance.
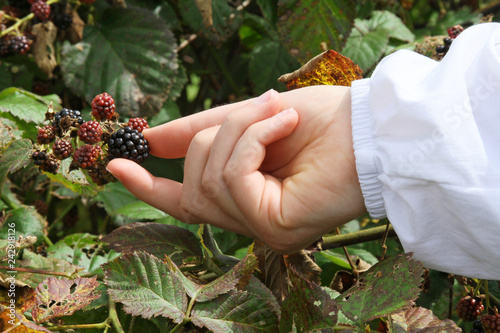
(307, 307)
(9, 131)
(114, 196)
(27, 221)
(15, 157)
(146, 287)
(26, 106)
(366, 49)
(226, 19)
(269, 60)
(82, 250)
(386, 288)
(140, 210)
(240, 274)
(269, 9)
(157, 239)
(385, 20)
(131, 55)
(236, 311)
(74, 180)
(304, 25)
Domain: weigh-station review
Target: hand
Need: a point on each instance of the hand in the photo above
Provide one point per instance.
(279, 168)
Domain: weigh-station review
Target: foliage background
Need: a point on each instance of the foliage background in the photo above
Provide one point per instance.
(166, 59)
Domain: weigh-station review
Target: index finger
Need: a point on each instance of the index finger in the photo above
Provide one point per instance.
(171, 140)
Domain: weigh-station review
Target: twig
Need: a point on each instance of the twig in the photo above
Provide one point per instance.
(104, 324)
(35, 271)
(186, 42)
(335, 241)
(384, 246)
(354, 269)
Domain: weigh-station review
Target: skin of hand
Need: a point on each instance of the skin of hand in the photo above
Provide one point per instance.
(279, 168)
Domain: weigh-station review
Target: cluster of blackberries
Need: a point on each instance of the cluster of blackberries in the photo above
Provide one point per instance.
(91, 144)
(453, 32)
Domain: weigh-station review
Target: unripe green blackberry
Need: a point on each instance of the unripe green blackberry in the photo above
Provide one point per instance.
(90, 132)
(87, 156)
(62, 149)
(128, 143)
(46, 134)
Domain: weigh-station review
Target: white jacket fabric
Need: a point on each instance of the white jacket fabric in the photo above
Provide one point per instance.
(427, 145)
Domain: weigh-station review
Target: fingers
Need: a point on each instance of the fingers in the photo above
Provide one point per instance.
(171, 140)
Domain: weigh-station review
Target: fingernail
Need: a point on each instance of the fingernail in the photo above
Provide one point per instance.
(265, 97)
(286, 112)
(112, 173)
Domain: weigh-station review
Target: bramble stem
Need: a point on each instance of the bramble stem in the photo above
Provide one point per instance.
(35, 271)
(334, 241)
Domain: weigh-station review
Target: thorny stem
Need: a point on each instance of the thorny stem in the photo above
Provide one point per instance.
(335, 241)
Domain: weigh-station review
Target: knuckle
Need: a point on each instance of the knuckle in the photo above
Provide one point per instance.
(210, 185)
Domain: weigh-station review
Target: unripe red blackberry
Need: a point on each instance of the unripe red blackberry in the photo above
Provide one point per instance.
(100, 175)
(62, 149)
(103, 106)
(128, 143)
(41, 10)
(87, 156)
(46, 134)
(469, 308)
(138, 123)
(66, 120)
(491, 323)
(454, 31)
(90, 132)
(20, 45)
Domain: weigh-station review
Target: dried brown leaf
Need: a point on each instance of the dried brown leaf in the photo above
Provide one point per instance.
(43, 47)
(12, 321)
(75, 31)
(205, 7)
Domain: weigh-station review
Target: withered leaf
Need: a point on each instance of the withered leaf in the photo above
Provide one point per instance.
(43, 47)
(205, 7)
(327, 68)
(16, 322)
(58, 297)
(419, 319)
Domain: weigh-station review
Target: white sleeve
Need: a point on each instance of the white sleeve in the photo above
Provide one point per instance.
(427, 145)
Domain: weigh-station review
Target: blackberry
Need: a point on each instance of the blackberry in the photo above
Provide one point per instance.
(441, 49)
(469, 308)
(46, 162)
(62, 20)
(477, 326)
(103, 106)
(454, 31)
(22, 5)
(447, 41)
(100, 175)
(491, 323)
(39, 157)
(41, 207)
(87, 156)
(62, 149)
(128, 143)
(41, 10)
(46, 134)
(90, 132)
(137, 123)
(19, 45)
(65, 120)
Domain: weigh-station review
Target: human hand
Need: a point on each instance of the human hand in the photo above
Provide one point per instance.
(260, 168)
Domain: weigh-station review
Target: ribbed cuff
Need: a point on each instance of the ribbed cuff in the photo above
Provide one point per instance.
(364, 149)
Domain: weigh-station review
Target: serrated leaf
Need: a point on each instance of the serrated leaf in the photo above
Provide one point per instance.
(226, 19)
(385, 20)
(59, 297)
(272, 270)
(27, 222)
(114, 196)
(304, 25)
(140, 210)
(82, 250)
(35, 261)
(236, 311)
(131, 55)
(239, 275)
(419, 319)
(74, 180)
(9, 131)
(328, 68)
(15, 157)
(157, 239)
(145, 286)
(25, 105)
(269, 59)
(308, 307)
(366, 49)
(386, 288)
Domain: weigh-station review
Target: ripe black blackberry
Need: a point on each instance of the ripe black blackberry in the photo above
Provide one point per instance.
(128, 143)
(100, 175)
(138, 123)
(62, 149)
(20, 45)
(86, 157)
(39, 156)
(90, 132)
(65, 120)
(469, 308)
(491, 323)
(62, 20)
(103, 106)
(46, 162)
(46, 134)
(477, 326)
(41, 10)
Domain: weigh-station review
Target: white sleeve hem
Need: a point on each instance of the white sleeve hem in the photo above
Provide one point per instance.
(364, 149)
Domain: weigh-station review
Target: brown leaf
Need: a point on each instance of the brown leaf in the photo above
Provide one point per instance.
(327, 68)
(421, 320)
(205, 7)
(75, 31)
(58, 297)
(10, 318)
(43, 47)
